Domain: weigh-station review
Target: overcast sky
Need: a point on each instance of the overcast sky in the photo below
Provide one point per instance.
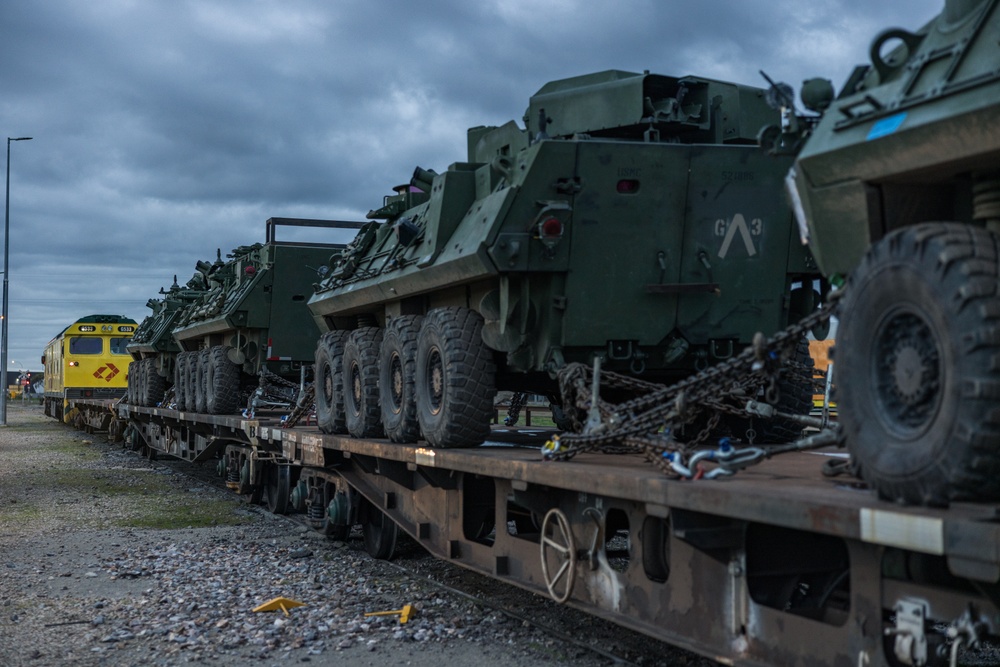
(164, 129)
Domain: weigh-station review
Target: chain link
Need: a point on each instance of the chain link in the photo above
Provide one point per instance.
(654, 420)
(517, 401)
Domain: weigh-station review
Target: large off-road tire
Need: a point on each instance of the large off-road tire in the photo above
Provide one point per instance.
(180, 380)
(134, 380)
(222, 382)
(192, 381)
(455, 379)
(141, 388)
(330, 415)
(361, 407)
(917, 372)
(201, 366)
(153, 384)
(397, 378)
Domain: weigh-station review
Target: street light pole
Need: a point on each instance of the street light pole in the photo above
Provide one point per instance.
(3, 315)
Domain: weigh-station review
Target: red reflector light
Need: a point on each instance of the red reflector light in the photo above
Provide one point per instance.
(552, 227)
(628, 186)
(88, 393)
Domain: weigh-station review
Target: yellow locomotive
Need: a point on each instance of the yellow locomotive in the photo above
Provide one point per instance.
(87, 359)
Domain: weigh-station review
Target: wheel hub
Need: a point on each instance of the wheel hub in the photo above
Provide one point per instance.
(436, 376)
(356, 384)
(908, 370)
(908, 373)
(396, 378)
(328, 387)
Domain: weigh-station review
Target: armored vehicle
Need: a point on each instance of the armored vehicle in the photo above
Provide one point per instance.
(899, 189)
(238, 327)
(153, 348)
(631, 219)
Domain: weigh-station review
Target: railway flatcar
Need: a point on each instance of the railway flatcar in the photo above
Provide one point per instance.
(87, 359)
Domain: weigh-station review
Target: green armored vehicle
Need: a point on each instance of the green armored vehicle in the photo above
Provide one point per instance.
(240, 330)
(899, 189)
(632, 219)
(153, 348)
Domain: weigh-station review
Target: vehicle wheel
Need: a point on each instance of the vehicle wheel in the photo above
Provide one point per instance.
(135, 382)
(277, 485)
(222, 382)
(455, 379)
(397, 370)
(199, 365)
(363, 415)
(330, 382)
(916, 370)
(380, 533)
(180, 380)
(192, 381)
(153, 384)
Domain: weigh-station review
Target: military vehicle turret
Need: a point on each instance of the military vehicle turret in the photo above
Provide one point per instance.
(632, 219)
(898, 187)
(238, 327)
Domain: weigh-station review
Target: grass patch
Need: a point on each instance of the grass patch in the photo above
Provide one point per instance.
(20, 513)
(187, 513)
(75, 448)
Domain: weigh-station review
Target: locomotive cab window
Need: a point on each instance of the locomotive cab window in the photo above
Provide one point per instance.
(118, 345)
(85, 345)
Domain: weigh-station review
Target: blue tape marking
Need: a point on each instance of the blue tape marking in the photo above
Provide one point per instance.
(886, 126)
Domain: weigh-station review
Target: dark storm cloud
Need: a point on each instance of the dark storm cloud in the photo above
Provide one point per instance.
(164, 130)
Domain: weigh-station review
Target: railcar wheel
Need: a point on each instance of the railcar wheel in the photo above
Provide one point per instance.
(245, 486)
(397, 385)
(180, 380)
(335, 531)
(380, 533)
(222, 382)
(330, 415)
(454, 379)
(916, 351)
(363, 414)
(201, 367)
(558, 552)
(277, 486)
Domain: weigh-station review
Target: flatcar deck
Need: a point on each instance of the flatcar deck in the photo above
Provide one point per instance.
(777, 565)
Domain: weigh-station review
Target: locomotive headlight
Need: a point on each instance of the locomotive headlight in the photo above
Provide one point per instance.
(74, 363)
